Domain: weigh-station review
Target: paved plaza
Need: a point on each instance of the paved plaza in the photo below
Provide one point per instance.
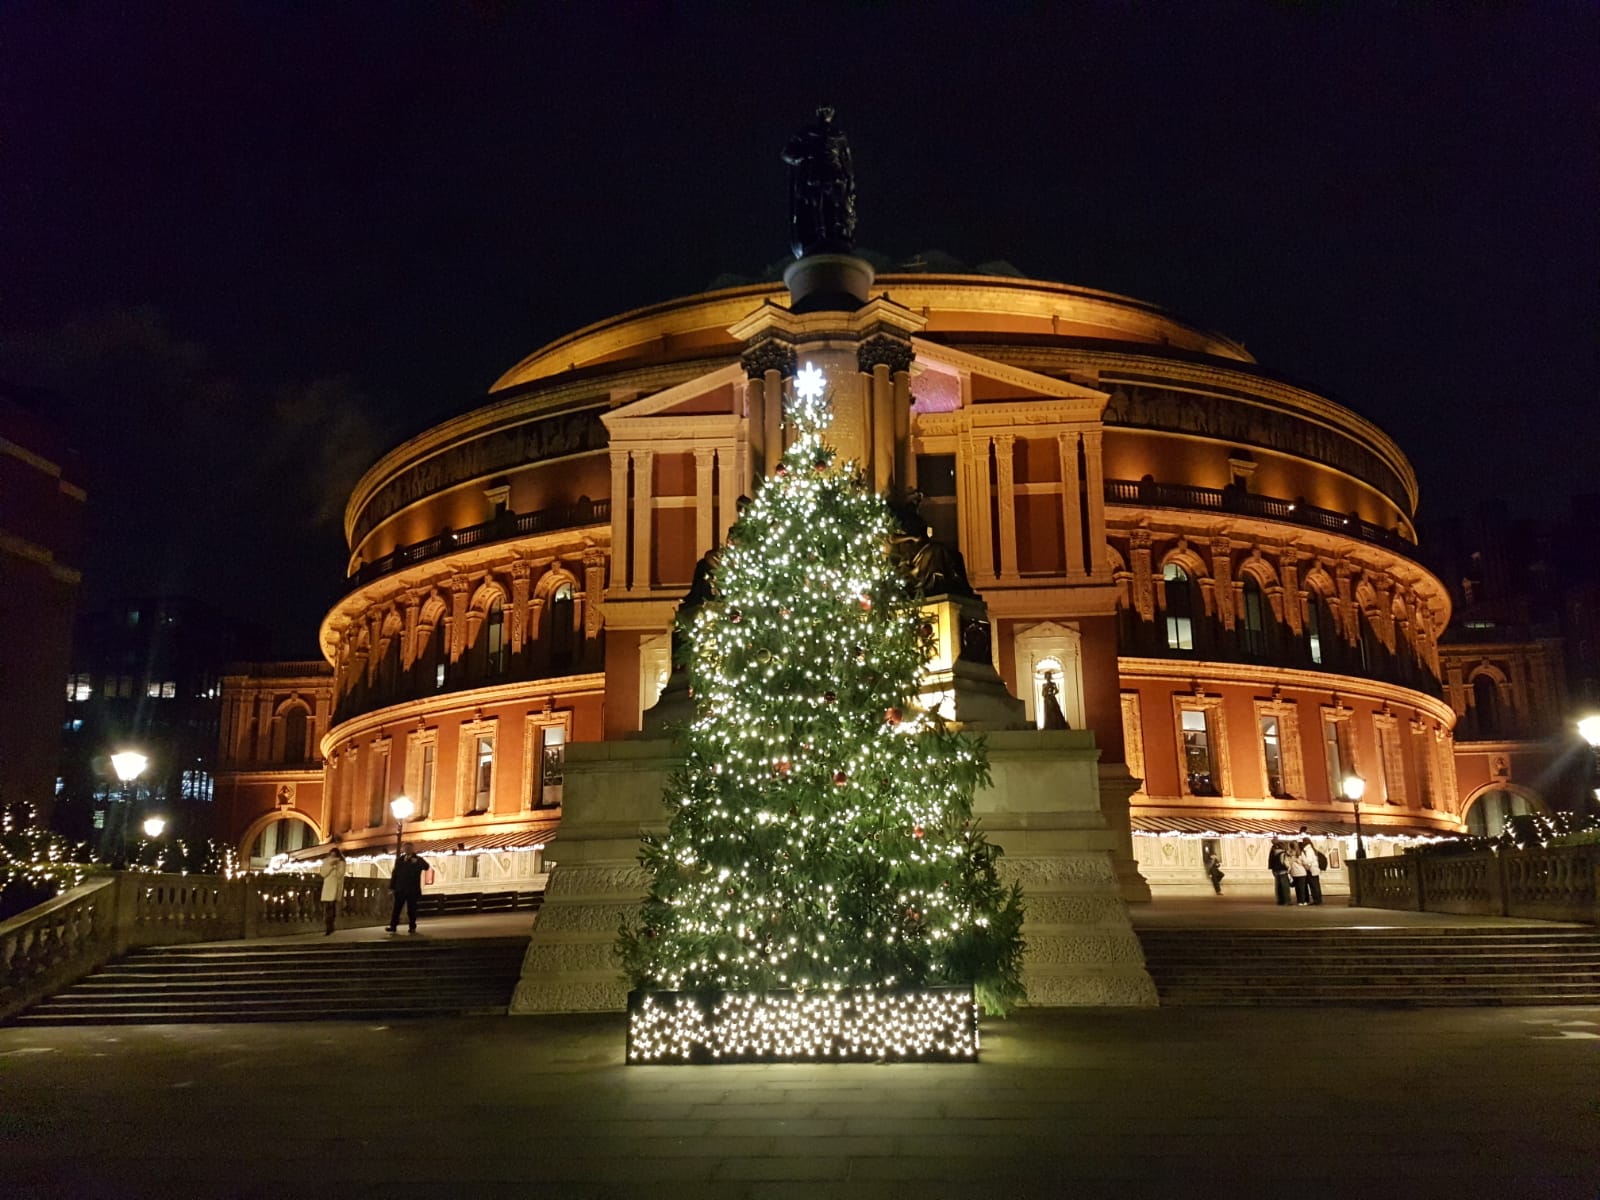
(1456, 1103)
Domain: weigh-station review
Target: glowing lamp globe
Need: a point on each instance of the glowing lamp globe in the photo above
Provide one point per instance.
(1354, 787)
(1589, 728)
(153, 826)
(402, 808)
(129, 765)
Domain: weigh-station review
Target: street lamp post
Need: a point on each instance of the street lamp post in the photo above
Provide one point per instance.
(129, 765)
(1354, 787)
(1589, 728)
(402, 808)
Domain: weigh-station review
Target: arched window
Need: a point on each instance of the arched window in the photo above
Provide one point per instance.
(561, 607)
(1372, 650)
(294, 735)
(431, 659)
(1486, 706)
(1253, 632)
(283, 836)
(1179, 606)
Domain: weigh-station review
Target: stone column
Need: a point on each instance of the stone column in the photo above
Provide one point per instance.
(458, 616)
(643, 516)
(619, 519)
(1006, 497)
(1222, 572)
(705, 458)
(767, 364)
(1071, 515)
(729, 476)
(408, 635)
(886, 361)
(1139, 566)
(982, 521)
(1094, 468)
(594, 587)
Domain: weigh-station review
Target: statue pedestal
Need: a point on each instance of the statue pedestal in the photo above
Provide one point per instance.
(1043, 810)
(961, 681)
(828, 283)
(612, 797)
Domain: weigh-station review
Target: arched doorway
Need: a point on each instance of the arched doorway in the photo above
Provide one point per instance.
(282, 833)
(1488, 810)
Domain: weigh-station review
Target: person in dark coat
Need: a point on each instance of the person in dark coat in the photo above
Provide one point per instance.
(405, 881)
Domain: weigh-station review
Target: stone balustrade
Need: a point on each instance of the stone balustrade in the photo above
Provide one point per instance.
(56, 943)
(1555, 883)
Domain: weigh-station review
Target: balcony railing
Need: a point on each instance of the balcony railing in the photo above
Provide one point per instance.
(496, 529)
(1147, 493)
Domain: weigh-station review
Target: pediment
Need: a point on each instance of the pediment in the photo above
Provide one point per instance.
(987, 382)
(715, 394)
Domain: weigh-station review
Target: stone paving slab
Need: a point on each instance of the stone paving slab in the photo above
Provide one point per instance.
(1459, 1104)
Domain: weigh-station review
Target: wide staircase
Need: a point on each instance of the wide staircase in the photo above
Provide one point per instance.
(299, 981)
(1552, 964)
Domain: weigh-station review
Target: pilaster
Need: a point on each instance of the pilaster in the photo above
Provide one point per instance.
(1071, 499)
(1006, 497)
(643, 516)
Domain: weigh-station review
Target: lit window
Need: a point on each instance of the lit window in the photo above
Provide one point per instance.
(99, 818)
(1255, 619)
(495, 631)
(153, 691)
(438, 676)
(552, 767)
(1272, 752)
(483, 776)
(78, 687)
(1180, 611)
(1197, 763)
(169, 690)
(1314, 628)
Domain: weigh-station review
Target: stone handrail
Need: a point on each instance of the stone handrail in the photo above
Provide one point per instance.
(1554, 883)
(56, 943)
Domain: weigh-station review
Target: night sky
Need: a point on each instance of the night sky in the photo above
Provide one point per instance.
(254, 246)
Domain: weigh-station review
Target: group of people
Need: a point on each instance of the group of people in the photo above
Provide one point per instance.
(1297, 867)
(405, 881)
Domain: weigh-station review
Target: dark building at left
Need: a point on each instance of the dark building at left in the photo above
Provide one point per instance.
(145, 676)
(42, 500)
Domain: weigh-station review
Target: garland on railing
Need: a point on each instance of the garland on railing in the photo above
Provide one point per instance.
(1530, 831)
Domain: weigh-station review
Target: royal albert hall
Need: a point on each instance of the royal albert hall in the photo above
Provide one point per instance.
(1215, 567)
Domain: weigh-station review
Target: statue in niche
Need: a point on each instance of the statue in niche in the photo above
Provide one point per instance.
(822, 189)
(935, 568)
(1054, 717)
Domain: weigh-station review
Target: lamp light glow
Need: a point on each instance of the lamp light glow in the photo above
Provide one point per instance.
(1354, 788)
(154, 826)
(402, 808)
(1589, 729)
(129, 765)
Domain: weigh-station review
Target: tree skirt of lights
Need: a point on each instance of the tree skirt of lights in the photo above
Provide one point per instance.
(936, 1024)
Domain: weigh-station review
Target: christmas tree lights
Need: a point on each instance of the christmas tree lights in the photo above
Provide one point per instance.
(821, 836)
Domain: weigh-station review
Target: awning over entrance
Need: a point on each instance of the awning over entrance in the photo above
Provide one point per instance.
(529, 837)
(1265, 827)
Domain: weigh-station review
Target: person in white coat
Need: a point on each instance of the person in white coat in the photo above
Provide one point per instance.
(332, 872)
(1313, 860)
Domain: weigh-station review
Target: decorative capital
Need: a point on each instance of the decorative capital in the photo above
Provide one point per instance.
(769, 354)
(882, 350)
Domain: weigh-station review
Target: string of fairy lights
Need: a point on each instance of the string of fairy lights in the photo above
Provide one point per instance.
(821, 835)
(932, 1024)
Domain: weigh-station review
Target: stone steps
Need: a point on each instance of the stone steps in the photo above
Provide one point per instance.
(294, 982)
(1466, 965)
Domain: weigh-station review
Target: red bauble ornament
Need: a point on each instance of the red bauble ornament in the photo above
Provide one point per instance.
(891, 716)
(735, 615)
(830, 697)
(781, 471)
(866, 603)
(841, 778)
(782, 766)
(916, 831)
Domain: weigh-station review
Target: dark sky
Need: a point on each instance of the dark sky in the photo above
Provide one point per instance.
(256, 245)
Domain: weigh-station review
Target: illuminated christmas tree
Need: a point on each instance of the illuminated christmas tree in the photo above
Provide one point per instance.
(821, 834)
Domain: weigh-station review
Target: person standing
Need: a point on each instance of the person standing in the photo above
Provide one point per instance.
(405, 881)
(332, 872)
(1213, 864)
(1314, 861)
(1294, 858)
(1277, 863)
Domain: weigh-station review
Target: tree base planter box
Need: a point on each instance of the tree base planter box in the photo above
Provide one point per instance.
(937, 1024)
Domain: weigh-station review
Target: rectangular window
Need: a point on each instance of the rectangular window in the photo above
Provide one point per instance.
(425, 784)
(1337, 751)
(1422, 748)
(153, 690)
(1390, 761)
(1272, 754)
(552, 770)
(483, 775)
(169, 690)
(378, 787)
(1197, 763)
(78, 687)
(438, 676)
